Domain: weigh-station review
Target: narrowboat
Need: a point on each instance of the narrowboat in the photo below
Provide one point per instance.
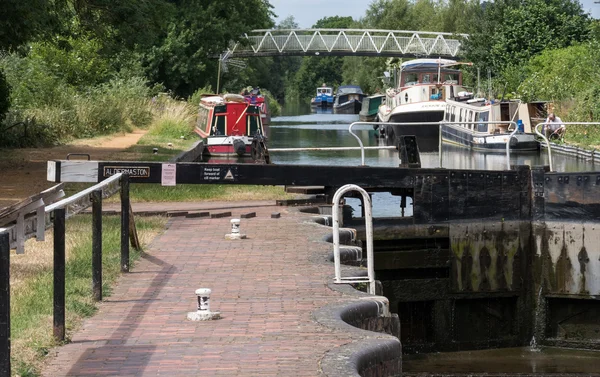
(484, 125)
(370, 106)
(324, 97)
(230, 127)
(348, 99)
(420, 97)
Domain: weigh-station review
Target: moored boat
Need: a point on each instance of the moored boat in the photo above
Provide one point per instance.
(424, 87)
(370, 106)
(348, 99)
(323, 98)
(230, 127)
(485, 125)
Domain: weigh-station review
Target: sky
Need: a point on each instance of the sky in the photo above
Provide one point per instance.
(307, 12)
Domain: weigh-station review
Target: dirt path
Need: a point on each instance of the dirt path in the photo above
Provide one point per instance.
(23, 171)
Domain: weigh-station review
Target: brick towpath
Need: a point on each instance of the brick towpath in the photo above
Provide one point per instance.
(265, 287)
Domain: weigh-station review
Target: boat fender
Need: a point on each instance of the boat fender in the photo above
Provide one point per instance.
(513, 142)
(234, 97)
(239, 147)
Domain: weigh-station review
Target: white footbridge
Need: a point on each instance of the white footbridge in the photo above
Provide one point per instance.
(347, 42)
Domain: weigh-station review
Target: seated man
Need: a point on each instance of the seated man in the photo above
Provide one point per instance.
(554, 128)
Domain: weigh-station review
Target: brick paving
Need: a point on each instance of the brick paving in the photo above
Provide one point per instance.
(265, 287)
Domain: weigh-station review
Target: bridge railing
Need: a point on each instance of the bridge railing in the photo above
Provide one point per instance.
(348, 41)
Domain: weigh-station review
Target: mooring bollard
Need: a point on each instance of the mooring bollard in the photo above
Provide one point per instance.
(203, 299)
(235, 231)
(203, 313)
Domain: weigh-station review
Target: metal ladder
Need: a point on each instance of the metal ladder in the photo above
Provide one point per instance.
(339, 279)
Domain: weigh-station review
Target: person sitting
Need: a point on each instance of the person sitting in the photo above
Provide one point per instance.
(554, 128)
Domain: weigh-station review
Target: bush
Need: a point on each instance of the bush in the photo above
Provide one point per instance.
(4, 96)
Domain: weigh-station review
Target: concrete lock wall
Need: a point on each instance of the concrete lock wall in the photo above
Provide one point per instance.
(514, 255)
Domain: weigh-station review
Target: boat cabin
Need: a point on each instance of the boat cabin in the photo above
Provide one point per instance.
(220, 117)
(481, 110)
(423, 80)
(324, 90)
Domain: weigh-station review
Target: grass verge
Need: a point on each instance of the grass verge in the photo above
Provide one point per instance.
(32, 293)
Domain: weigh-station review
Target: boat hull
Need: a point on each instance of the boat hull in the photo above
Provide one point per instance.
(428, 135)
(350, 107)
(479, 141)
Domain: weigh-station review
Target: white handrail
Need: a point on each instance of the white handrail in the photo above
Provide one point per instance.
(548, 141)
(336, 239)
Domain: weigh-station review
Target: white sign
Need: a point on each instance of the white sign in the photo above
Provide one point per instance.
(169, 172)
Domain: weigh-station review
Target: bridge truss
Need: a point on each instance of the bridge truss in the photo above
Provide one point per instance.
(358, 42)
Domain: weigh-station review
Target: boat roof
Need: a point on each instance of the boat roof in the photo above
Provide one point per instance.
(213, 100)
(349, 89)
(426, 63)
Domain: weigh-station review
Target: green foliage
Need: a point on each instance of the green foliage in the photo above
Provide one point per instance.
(560, 74)
(4, 96)
(510, 32)
(199, 31)
(76, 61)
(194, 99)
(47, 110)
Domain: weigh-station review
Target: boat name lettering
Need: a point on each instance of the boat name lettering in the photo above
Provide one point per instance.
(212, 174)
(131, 171)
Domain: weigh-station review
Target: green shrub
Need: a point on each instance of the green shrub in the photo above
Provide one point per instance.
(4, 96)
(194, 99)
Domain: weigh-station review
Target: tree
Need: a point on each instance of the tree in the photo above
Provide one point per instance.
(186, 59)
(4, 96)
(512, 31)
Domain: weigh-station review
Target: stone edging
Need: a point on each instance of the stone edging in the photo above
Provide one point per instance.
(571, 150)
(371, 353)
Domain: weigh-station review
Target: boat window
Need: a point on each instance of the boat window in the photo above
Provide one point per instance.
(411, 79)
(484, 116)
(451, 78)
(220, 124)
(426, 78)
(253, 124)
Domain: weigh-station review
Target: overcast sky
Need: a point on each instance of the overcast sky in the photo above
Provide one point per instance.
(307, 12)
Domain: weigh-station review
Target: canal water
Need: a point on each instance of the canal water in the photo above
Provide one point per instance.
(298, 128)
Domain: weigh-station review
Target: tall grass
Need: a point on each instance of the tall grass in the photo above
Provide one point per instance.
(47, 110)
(31, 279)
(172, 118)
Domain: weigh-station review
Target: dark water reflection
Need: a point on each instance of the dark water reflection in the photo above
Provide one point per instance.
(506, 361)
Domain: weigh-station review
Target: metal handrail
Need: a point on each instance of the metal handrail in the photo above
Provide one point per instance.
(336, 238)
(548, 141)
(362, 154)
(362, 148)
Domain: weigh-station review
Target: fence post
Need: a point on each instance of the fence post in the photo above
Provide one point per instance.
(97, 245)
(59, 274)
(4, 305)
(124, 223)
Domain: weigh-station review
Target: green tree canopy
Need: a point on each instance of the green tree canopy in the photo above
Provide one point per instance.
(199, 32)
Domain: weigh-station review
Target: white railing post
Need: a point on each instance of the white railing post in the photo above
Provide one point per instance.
(336, 239)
